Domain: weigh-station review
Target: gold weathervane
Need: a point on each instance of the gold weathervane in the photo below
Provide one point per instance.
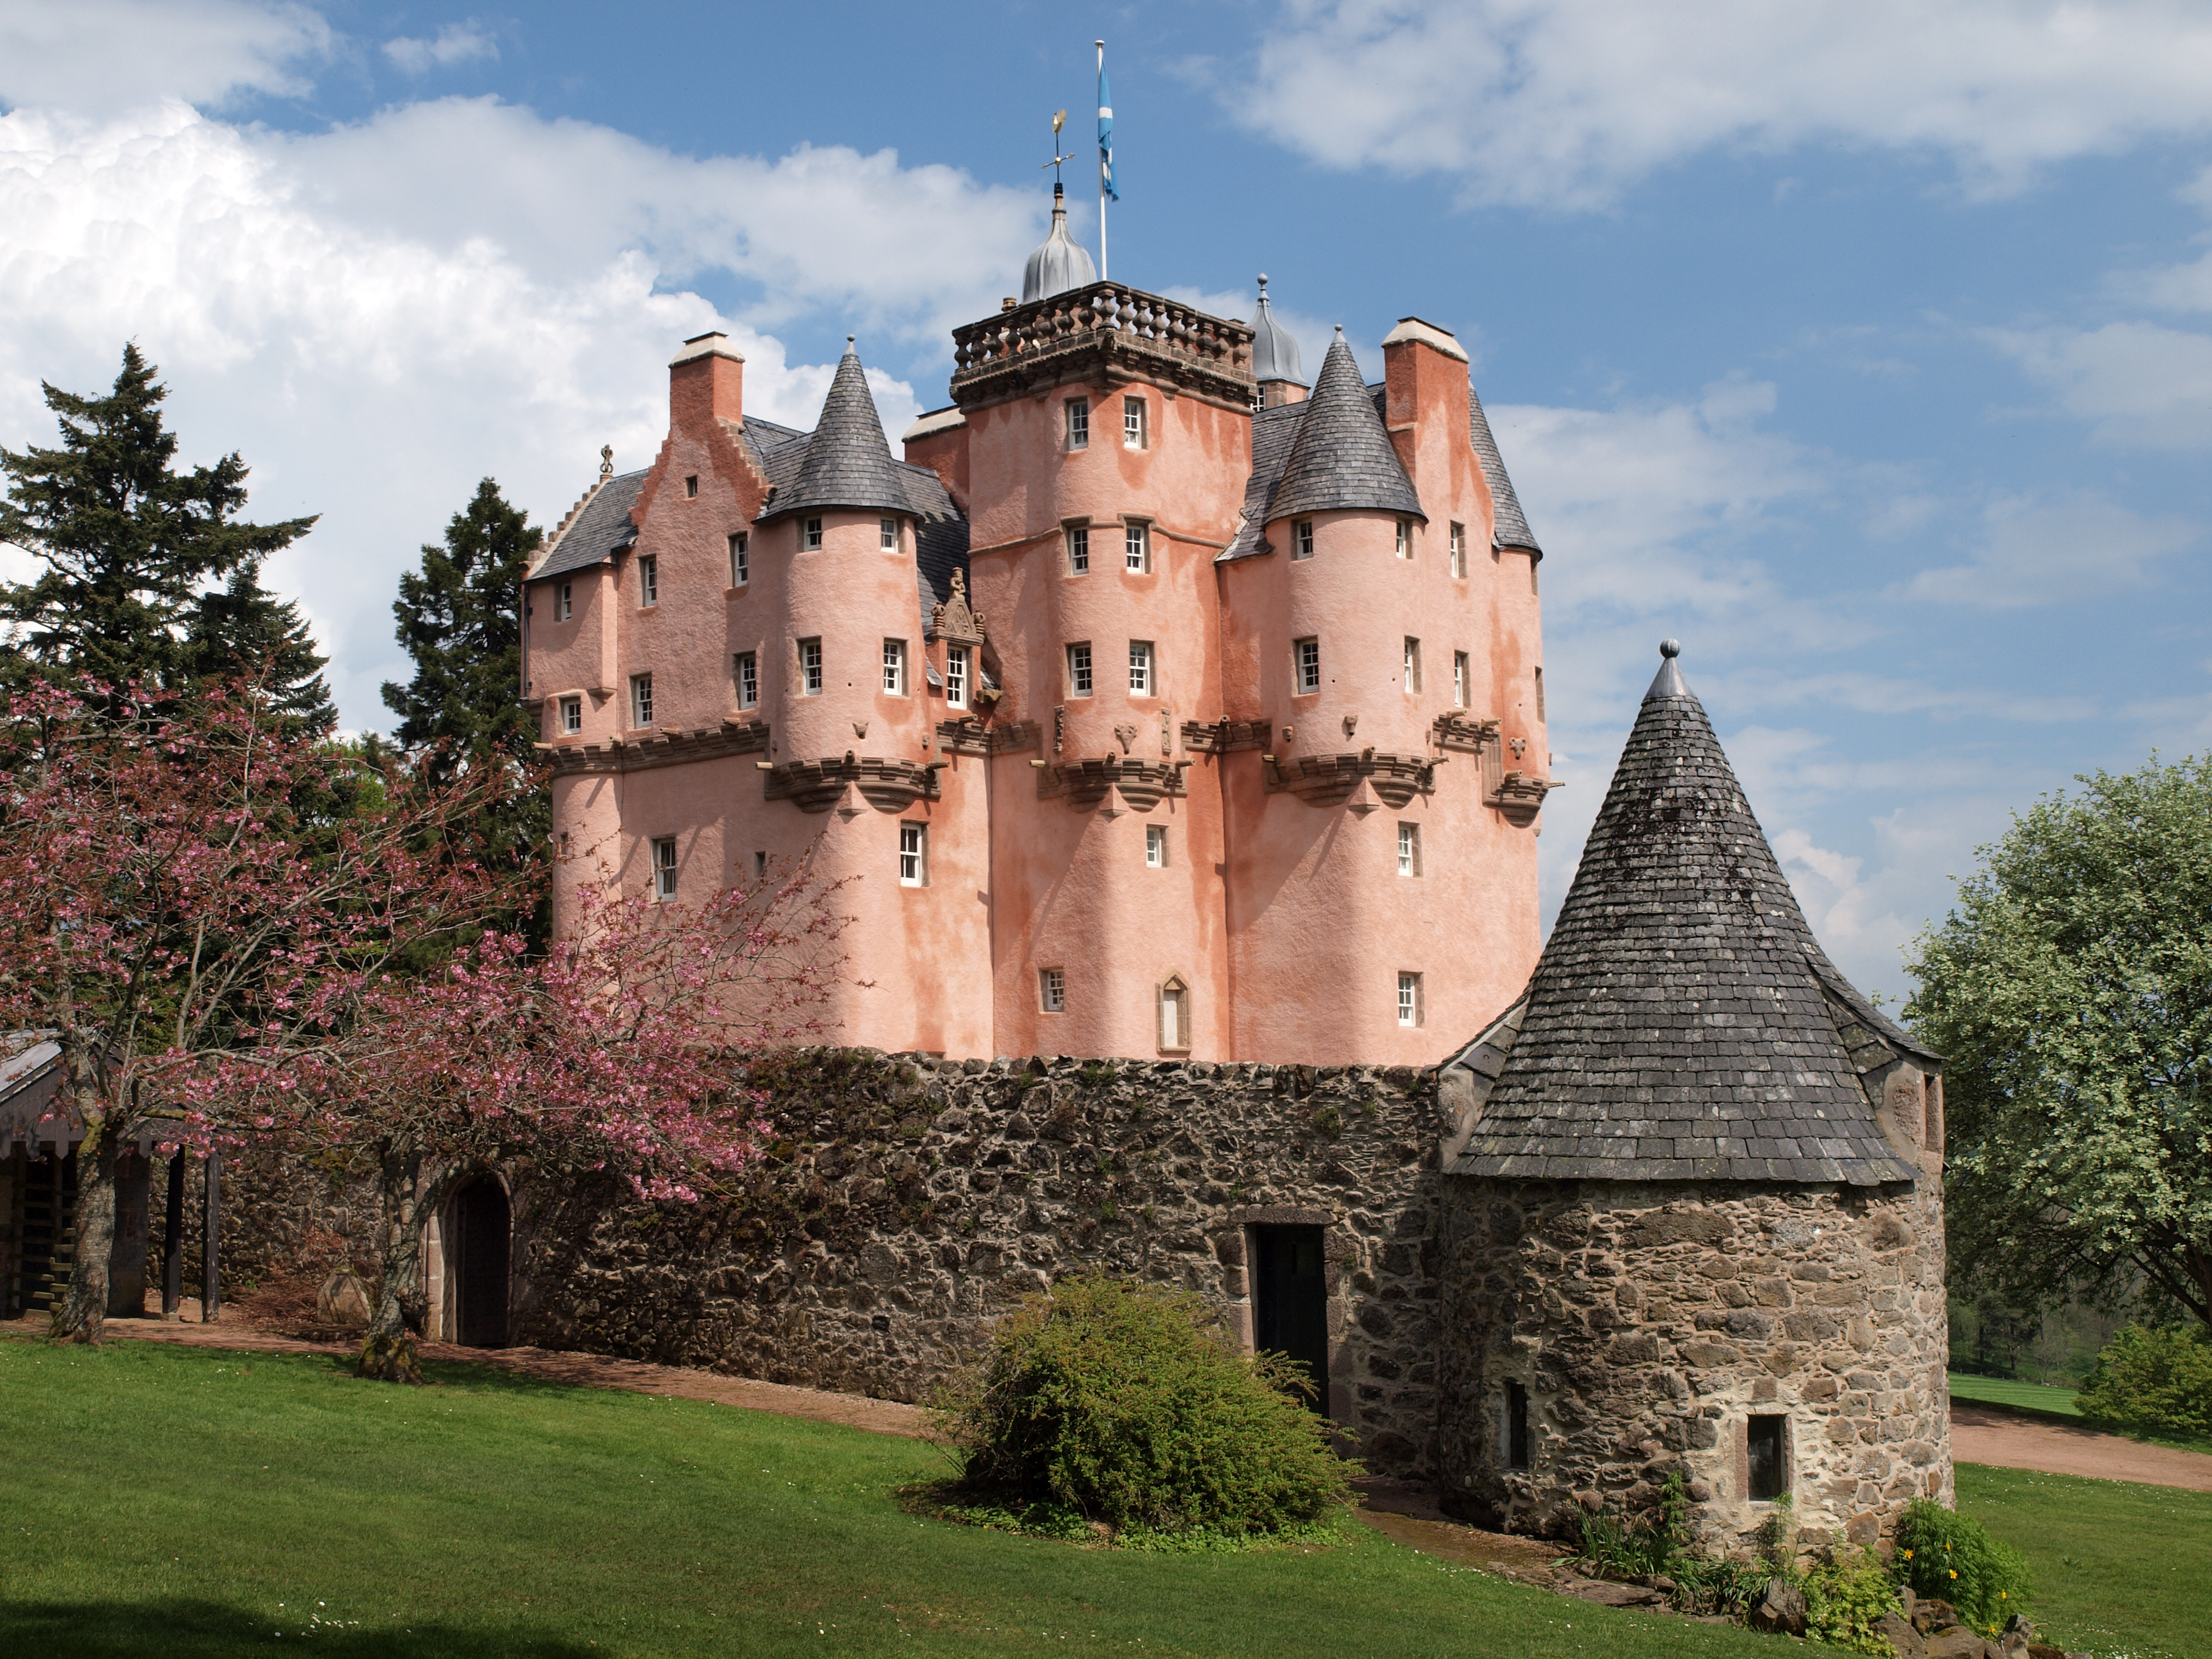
(1059, 120)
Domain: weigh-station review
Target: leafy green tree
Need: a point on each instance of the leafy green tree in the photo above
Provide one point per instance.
(128, 542)
(244, 629)
(2072, 990)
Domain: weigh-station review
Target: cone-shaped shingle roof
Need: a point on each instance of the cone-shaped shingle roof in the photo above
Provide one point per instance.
(1682, 1024)
(847, 462)
(1512, 528)
(1342, 457)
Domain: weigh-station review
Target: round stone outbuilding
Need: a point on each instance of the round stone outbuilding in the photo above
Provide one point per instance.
(1693, 1218)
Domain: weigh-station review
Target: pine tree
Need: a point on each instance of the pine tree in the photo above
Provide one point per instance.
(244, 628)
(128, 542)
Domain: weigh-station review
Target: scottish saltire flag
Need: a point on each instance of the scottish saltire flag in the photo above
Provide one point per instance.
(1106, 136)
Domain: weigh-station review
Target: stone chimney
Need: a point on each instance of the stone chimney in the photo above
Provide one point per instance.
(706, 383)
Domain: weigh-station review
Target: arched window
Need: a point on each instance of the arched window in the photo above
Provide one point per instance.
(1175, 1015)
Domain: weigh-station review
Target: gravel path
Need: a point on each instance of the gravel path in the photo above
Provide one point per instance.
(1989, 1434)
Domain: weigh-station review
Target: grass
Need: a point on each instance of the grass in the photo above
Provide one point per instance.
(2062, 1405)
(180, 1502)
(2119, 1569)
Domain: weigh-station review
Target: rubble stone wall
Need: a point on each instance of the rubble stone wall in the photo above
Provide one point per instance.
(1649, 1324)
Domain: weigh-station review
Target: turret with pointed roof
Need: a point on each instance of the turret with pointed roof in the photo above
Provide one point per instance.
(1342, 458)
(847, 462)
(1060, 262)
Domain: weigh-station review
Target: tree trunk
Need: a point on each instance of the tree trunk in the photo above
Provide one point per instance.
(388, 1351)
(82, 1308)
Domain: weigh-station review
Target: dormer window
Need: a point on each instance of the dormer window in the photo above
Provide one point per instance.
(1078, 423)
(1302, 539)
(1134, 434)
(648, 579)
(956, 676)
(810, 534)
(887, 535)
(691, 488)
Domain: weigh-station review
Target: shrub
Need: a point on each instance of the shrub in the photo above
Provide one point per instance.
(1844, 1597)
(1125, 1404)
(2154, 1382)
(1648, 1546)
(1945, 1556)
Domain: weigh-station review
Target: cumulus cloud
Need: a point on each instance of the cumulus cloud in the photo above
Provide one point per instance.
(2038, 552)
(104, 56)
(2140, 384)
(1563, 103)
(456, 42)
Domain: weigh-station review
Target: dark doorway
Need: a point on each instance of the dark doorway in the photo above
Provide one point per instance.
(1291, 1301)
(476, 1257)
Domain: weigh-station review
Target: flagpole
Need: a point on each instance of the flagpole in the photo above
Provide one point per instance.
(1101, 183)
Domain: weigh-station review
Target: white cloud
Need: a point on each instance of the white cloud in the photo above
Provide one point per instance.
(456, 42)
(1562, 103)
(2059, 552)
(2139, 384)
(104, 56)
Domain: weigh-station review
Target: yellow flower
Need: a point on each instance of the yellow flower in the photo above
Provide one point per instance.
(2003, 1595)
(1954, 1572)
(1906, 1553)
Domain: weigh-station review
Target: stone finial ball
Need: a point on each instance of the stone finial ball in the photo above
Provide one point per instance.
(1670, 647)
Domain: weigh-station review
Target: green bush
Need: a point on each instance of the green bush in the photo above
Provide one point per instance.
(1622, 1546)
(1945, 1556)
(1125, 1404)
(2152, 1381)
(1844, 1597)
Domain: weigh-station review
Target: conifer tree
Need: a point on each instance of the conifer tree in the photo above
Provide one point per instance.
(244, 628)
(128, 542)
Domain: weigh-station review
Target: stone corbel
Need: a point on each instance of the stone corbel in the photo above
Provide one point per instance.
(816, 786)
(1331, 780)
(1114, 781)
(1221, 737)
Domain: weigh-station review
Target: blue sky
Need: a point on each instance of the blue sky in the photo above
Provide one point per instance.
(1865, 346)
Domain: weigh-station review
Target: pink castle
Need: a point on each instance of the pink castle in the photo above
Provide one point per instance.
(1153, 706)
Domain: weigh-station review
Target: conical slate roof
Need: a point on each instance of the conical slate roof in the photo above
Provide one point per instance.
(1060, 262)
(1275, 354)
(1682, 1023)
(848, 463)
(1512, 528)
(1342, 457)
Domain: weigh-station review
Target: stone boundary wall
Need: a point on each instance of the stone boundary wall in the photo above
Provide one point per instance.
(907, 1202)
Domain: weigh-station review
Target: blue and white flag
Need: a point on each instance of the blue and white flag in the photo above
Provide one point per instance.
(1106, 136)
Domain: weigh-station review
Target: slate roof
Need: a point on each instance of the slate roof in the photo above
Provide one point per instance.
(1682, 1023)
(1273, 430)
(1275, 354)
(601, 530)
(847, 462)
(1342, 457)
(1511, 525)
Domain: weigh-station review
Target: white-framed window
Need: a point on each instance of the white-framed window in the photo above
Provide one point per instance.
(572, 715)
(810, 668)
(1137, 547)
(641, 700)
(1458, 549)
(1540, 695)
(956, 676)
(748, 679)
(1410, 1012)
(649, 579)
(913, 856)
(1078, 548)
(1052, 990)
(565, 607)
(1143, 682)
(1405, 538)
(664, 868)
(895, 668)
(1078, 423)
(1078, 669)
(810, 534)
(887, 535)
(1461, 673)
(1302, 539)
(691, 488)
(1155, 846)
(741, 571)
(1413, 664)
(1132, 424)
(1305, 658)
(1175, 1014)
(1409, 849)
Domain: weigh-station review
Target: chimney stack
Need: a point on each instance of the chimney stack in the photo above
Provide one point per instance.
(706, 384)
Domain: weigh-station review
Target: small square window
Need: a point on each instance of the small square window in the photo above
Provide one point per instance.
(810, 668)
(1458, 549)
(1078, 423)
(1132, 422)
(895, 668)
(565, 607)
(572, 715)
(913, 856)
(1052, 990)
(1410, 1012)
(1155, 846)
(956, 676)
(887, 535)
(648, 579)
(1516, 1425)
(1409, 849)
(1137, 547)
(1405, 538)
(1460, 679)
(1078, 548)
(1079, 670)
(1302, 539)
(641, 700)
(664, 868)
(1766, 1454)
(1141, 668)
(748, 679)
(811, 534)
(1413, 664)
(691, 487)
(740, 561)
(1306, 657)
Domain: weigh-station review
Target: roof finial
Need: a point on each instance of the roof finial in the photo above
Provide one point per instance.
(849, 338)
(1340, 331)
(1670, 647)
(1263, 282)
(1668, 682)
(606, 460)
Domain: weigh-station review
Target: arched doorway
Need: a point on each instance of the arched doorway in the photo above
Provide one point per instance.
(476, 1257)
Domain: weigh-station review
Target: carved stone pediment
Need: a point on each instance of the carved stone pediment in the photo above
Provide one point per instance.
(953, 621)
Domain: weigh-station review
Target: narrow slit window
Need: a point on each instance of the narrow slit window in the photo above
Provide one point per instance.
(913, 856)
(760, 866)
(1460, 675)
(1516, 1425)
(566, 607)
(1078, 423)
(561, 845)
(1137, 547)
(664, 868)
(1302, 539)
(811, 534)
(1405, 538)
(1306, 655)
(1132, 422)
(1413, 664)
(691, 487)
(1458, 549)
(748, 679)
(648, 579)
(1155, 846)
(572, 715)
(1078, 548)
(641, 700)
(895, 668)
(1766, 1448)
(1079, 670)
(1141, 679)
(1410, 1012)
(1540, 695)
(740, 561)
(887, 535)
(956, 676)
(1052, 990)
(810, 668)
(1409, 849)
(1175, 1015)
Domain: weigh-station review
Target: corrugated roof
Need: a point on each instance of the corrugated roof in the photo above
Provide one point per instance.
(1511, 529)
(1342, 458)
(1680, 1024)
(600, 529)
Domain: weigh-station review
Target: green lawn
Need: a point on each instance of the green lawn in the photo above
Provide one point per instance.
(166, 1501)
(2021, 1396)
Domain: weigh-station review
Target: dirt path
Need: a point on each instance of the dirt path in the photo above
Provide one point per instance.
(1990, 1434)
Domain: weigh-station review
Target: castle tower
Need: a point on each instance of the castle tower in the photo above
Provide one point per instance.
(1693, 1218)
